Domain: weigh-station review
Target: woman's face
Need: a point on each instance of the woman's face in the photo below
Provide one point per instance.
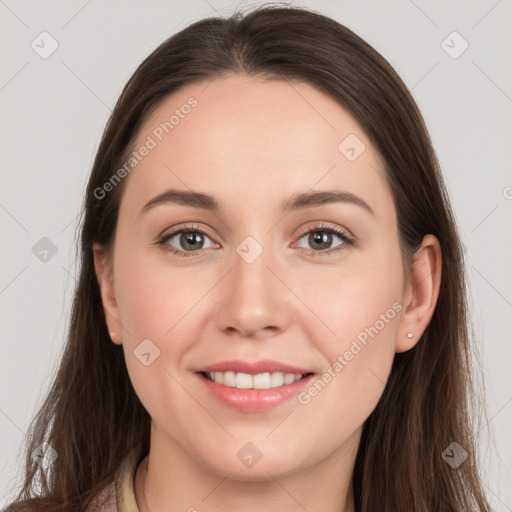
(260, 285)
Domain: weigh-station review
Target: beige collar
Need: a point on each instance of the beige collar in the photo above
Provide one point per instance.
(125, 485)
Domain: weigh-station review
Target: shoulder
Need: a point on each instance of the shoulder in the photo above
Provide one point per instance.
(103, 501)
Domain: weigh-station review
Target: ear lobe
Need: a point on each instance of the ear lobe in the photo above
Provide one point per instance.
(105, 276)
(421, 294)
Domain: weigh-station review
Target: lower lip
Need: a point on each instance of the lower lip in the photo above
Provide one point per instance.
(254, 399)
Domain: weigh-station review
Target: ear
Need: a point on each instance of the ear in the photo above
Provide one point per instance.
(105, 276)
(421, 293)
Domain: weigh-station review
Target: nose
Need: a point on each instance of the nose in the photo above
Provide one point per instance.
(254, 302)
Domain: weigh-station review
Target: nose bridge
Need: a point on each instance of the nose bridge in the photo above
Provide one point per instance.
(253, 299)
(250, 273)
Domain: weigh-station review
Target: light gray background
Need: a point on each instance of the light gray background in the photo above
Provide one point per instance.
(54, 110)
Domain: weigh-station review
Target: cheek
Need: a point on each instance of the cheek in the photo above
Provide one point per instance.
(153, 297)
(160, 303)
(358, 299)
(358, 360)
(360, 316)
(154, 305)
(359, 308)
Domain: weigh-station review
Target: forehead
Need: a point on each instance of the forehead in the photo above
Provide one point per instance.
(244, 139)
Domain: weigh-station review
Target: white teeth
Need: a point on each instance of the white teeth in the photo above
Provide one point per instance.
(243, 381)
(228, 379)
(289, 378)
(259, 381)
(276, 379)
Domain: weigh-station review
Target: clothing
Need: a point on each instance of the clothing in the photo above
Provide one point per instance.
(119, 496)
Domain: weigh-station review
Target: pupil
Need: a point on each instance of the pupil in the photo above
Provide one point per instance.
(189, 239)
(321, 237)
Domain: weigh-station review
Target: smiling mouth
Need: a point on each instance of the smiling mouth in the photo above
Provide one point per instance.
(241, 380)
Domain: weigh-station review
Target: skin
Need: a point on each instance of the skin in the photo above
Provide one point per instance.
(252, 144)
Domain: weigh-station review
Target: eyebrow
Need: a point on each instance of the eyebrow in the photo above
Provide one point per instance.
(298, 201)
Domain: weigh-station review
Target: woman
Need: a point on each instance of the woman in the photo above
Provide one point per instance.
(271, 307)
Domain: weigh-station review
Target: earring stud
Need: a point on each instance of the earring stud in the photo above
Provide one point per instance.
(409, 334)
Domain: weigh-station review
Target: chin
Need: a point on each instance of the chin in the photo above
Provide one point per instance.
(261, 472)
(252, 465)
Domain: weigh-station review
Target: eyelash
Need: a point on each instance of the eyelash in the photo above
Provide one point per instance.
(347, 240)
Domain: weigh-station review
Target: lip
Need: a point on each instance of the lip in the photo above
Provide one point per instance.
(254, 400)
(264, 366)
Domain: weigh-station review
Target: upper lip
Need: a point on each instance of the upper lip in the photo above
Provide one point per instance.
(253, 368)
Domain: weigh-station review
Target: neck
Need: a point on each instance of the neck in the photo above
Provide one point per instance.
(172, 480)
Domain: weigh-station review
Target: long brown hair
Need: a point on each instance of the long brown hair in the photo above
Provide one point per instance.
(92, 417)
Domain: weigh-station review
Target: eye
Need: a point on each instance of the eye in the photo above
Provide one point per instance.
(189, 240)
(186, 241)
(321, 238)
